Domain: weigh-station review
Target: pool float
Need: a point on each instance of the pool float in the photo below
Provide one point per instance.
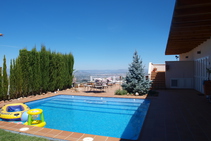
(33, 114)
(13, 112)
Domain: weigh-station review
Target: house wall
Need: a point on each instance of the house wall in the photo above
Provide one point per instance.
(204, 48)
(180, 72)
(199, 59)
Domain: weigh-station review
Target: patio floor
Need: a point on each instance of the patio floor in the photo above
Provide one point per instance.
(175, 115)
(178, 115)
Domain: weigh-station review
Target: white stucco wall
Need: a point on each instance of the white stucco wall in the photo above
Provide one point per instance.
(205, 49)
(181, 70)
(159, 67)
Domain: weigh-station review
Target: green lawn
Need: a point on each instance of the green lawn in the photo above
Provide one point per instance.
(8, 136)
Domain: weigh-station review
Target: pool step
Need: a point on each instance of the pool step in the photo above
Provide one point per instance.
(114, 111)
(93, 105)
(103, 102)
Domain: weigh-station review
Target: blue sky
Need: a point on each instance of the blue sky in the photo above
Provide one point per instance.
(101, 34)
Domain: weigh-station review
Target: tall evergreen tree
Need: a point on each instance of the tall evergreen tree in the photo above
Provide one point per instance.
(44, 68)
(30, 72)
(59, 71)
(12, 80)
(70, 64)
(26, 72)
(52, 72)
(68, 70)
(1, 84)
(19, 79)
(5, 79)
(135, 78)
(36, 75)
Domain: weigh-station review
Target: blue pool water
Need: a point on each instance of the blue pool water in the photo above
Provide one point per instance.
(113, 117)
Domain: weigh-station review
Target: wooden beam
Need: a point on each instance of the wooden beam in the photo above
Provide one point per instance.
(192, 5)
(191, 19)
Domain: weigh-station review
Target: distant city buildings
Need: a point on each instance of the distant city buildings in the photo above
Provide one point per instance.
(92, 75)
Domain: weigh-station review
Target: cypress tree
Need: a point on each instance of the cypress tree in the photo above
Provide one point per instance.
(18, 77)
(30, 72)
(12, 80)
(57, 70)
(60, 62)
(38, 73)
(69, 63)
(52, 72)
(1, 85)
(44, 68)
(135, 78)
(35, 68)
(5, 79)
(67, 71)
(25, 68)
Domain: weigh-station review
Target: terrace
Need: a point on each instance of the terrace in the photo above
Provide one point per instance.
(173, 115)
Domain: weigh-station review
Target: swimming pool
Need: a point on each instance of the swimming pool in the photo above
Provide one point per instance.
(113, 117)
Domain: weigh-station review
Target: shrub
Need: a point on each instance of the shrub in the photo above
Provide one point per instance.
(120, 92)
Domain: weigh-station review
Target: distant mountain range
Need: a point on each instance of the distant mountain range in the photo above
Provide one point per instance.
(85, 74)
(95, 72)
(103, 72)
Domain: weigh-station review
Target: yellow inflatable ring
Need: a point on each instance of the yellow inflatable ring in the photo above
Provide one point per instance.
(34, 111)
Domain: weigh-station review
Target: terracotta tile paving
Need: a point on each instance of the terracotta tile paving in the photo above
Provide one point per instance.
(54, 132)
(175, 115)
(112, 139)
(43, 132)
(63, 135)
(76, 135)
(33, 129)
(100, 138)
(17, 127)
(87, 135)
(3, 124)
